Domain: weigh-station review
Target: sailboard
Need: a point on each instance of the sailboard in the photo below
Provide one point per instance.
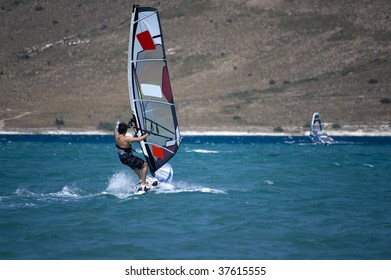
(151, 98)
(317, 135)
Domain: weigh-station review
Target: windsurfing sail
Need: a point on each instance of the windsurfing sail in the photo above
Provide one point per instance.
(317, 134)
(150, 93)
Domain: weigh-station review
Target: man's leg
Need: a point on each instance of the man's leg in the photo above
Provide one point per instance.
(144, 174)
(138, 173)
(144, 177)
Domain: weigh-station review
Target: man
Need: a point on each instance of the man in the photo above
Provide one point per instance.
(124, 149)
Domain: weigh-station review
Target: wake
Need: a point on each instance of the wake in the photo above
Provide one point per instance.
(121, 185)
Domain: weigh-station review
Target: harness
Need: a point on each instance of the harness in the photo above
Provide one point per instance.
(124, 153)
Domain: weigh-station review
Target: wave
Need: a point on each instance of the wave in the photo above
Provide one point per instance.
(25, 198)
(203, 151)
(368, 165)
(181, 187)
(65, 192)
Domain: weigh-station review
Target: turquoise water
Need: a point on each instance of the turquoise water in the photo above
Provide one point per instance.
(68, 197)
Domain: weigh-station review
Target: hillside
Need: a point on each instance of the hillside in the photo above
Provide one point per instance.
(255, 65)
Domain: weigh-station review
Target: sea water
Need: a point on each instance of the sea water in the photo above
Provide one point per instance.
(245, 197)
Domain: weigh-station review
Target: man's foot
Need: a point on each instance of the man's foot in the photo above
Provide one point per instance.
(146, 187)
(155, 183)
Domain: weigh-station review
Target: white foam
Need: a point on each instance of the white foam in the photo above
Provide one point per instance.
(66, 192)
(182, 187)
(120, 185)
(369, 165)
(232, 133)
(23, 192)
(202, 151)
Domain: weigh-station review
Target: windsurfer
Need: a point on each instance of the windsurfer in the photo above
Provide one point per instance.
(316, 127)
(124, 149)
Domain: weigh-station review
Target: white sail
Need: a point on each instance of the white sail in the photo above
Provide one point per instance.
(150, 93)
(317, 134)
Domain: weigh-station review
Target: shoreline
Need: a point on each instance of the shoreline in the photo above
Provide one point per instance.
(52, 131)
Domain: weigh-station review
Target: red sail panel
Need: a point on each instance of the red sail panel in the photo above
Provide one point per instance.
(145, 40)
(166, 86)
(158, 152)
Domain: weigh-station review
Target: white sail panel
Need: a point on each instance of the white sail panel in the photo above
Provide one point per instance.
(151, 90)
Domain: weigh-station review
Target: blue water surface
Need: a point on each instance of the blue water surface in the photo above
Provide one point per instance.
(232, 197)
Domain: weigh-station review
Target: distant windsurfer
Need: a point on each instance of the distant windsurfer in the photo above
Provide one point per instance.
(315, 128)
(124, 149)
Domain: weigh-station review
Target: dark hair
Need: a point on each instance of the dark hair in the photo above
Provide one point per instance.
(122, 128)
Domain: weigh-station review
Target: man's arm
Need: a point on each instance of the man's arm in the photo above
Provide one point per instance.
(136, 139)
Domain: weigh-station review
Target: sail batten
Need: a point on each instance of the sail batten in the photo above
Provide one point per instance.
(146, 60)
(155, 101)
(151, 98)
(141, 19)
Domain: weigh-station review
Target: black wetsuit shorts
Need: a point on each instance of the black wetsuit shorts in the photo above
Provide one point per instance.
(133, 162)
(127, 158)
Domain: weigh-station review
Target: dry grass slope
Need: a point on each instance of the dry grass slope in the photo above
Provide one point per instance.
(254, 65)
